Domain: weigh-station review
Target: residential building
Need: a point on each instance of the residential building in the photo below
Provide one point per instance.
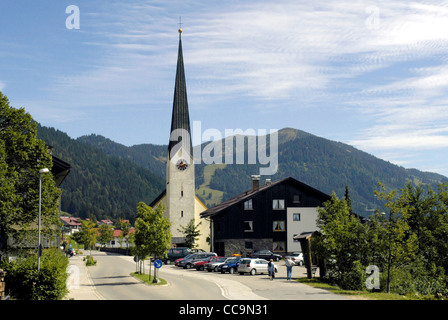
(267, 216)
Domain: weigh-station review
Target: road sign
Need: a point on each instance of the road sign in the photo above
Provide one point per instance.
(158, 264)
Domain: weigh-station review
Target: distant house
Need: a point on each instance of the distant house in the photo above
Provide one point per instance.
(108, 222)
(118, 241)
(266, 217)
(71, 225)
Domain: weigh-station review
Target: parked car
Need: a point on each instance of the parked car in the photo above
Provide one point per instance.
(230, 265)
(188, 263)
(176, 263)
(254, 266)
(266, 254)
(297, 257)
(176, 253)
(200, 265)
(213, 266)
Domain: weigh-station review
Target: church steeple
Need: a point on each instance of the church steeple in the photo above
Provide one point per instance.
(180, 115)
(179, 199)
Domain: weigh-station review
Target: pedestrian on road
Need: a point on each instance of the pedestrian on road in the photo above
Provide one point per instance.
(289, 264)
(271, 269)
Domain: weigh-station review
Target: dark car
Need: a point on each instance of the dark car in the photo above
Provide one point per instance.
(189, 256)
(188, 262)
(176, 253)
(266, 254)
(230, 266)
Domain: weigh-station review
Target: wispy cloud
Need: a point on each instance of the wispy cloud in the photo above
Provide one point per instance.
(384, 61)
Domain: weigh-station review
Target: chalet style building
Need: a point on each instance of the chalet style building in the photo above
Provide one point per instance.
(267, 217)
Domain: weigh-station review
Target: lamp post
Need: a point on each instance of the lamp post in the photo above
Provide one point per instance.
(39, 249)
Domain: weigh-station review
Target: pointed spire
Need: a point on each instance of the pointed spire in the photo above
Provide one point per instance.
(180, 116)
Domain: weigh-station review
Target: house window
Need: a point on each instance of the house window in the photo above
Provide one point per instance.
(278, 204)
(248, 205)
(278, 246)
(278, 226)
(248, 226)
(296, 198)
(296, 217)
(181, 214)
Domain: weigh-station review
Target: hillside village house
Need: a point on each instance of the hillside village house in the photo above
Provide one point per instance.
(70, 224)
(267, 217)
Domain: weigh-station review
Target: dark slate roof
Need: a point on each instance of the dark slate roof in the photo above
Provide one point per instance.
(250, 193)
(159, 197)
(180, 115)
(60, 170)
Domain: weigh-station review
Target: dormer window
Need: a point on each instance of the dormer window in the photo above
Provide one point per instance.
(248, 205)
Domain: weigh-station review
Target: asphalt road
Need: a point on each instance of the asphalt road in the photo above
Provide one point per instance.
(112, 281)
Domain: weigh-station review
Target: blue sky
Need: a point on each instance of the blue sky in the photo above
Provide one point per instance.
(372, 74)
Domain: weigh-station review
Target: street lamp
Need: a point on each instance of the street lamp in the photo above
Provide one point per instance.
(39, 249)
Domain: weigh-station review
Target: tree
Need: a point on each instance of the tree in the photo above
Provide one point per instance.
(22, 155)
(106, 234)
(124, 226)
(342, 242)
(152, 232)
(88, 234)
(191, 232)
(399, 243)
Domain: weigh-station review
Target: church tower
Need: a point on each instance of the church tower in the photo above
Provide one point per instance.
(180, 185)
(179, 198)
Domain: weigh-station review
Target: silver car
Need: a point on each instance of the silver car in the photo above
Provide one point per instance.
(213, 266)
(254, 266)
(297, 257)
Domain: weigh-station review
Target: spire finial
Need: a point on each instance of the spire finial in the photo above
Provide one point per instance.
(180, 24)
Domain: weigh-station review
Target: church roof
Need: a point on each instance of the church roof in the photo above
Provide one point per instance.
(180, 115)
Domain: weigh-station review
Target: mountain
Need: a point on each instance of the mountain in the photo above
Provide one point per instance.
(323, 164)
(100, 185)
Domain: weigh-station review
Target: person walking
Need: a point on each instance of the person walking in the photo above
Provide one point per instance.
(271, 269)
(289, 263)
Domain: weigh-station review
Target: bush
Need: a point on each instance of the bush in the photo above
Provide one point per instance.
(89, 261)
(416, 279)
(354, 279)
(24, 282)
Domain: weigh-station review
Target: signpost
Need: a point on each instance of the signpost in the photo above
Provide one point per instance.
(157, 264)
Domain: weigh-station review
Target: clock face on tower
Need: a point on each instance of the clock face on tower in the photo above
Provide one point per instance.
(182, 164)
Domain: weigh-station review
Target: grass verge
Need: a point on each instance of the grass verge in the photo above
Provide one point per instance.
(148, 279)
(366, 295)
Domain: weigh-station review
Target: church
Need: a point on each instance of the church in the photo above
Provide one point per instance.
(179, 198)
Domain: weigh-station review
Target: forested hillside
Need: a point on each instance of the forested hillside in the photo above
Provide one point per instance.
(323, 164)
(100, 185)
